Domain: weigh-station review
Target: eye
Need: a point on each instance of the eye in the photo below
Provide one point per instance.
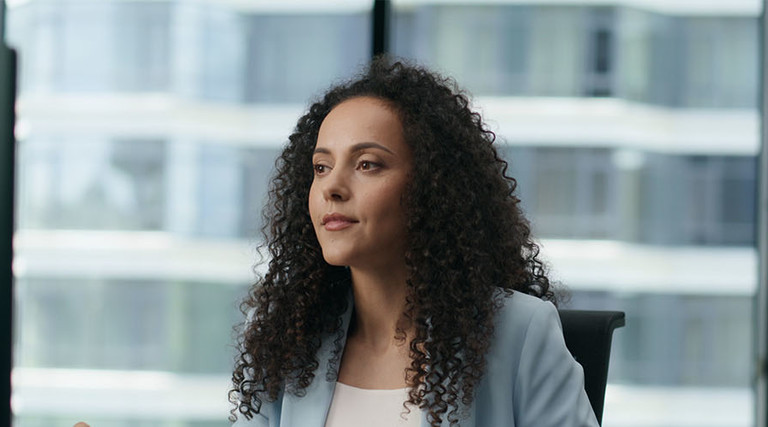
(320, 169)
(367, 165)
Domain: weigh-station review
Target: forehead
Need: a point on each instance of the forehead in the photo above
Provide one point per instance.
(362, 119)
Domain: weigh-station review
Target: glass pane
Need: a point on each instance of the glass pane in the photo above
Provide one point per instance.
(633, 133)
(147, 132)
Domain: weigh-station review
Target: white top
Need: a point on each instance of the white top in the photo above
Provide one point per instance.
(355, 407)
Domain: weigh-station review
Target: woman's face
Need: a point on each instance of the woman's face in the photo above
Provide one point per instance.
(361, 165)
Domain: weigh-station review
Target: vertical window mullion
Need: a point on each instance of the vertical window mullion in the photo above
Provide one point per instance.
(7, 174)
(381, 27)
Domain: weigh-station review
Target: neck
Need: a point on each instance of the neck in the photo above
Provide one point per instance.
(379, 305)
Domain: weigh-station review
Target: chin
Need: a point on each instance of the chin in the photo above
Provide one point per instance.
(336, 258)
(336, 263)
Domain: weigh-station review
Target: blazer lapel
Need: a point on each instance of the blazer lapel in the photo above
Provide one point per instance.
(311, 409)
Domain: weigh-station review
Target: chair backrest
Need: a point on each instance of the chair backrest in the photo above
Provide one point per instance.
(588, 336)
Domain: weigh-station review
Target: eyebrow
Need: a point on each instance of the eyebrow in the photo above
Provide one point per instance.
(358, 147)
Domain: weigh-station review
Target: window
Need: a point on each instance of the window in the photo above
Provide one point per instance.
(633, 137)
(148, 130)
(147, 133)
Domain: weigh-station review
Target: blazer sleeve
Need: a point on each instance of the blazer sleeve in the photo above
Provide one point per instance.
(549, 385)
(258, 420)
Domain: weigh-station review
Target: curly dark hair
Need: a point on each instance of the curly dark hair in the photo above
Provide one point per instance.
(467, 239)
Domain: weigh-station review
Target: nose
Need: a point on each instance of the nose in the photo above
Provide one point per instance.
(336, 186)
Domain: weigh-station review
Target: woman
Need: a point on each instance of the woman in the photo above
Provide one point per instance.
(403, 287)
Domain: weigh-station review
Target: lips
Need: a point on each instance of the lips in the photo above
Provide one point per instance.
(336, 222)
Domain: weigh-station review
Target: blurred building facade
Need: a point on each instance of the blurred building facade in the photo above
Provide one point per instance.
(148, 129)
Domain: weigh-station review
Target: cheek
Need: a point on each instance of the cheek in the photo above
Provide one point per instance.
(387, 202)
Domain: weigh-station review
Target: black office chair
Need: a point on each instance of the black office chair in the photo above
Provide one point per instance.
(588, 336)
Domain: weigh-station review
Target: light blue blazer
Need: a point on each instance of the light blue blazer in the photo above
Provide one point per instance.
(531, 378)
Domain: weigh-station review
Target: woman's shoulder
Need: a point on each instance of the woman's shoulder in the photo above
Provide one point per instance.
(529, 352)
(520, 306)
(521, 316)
